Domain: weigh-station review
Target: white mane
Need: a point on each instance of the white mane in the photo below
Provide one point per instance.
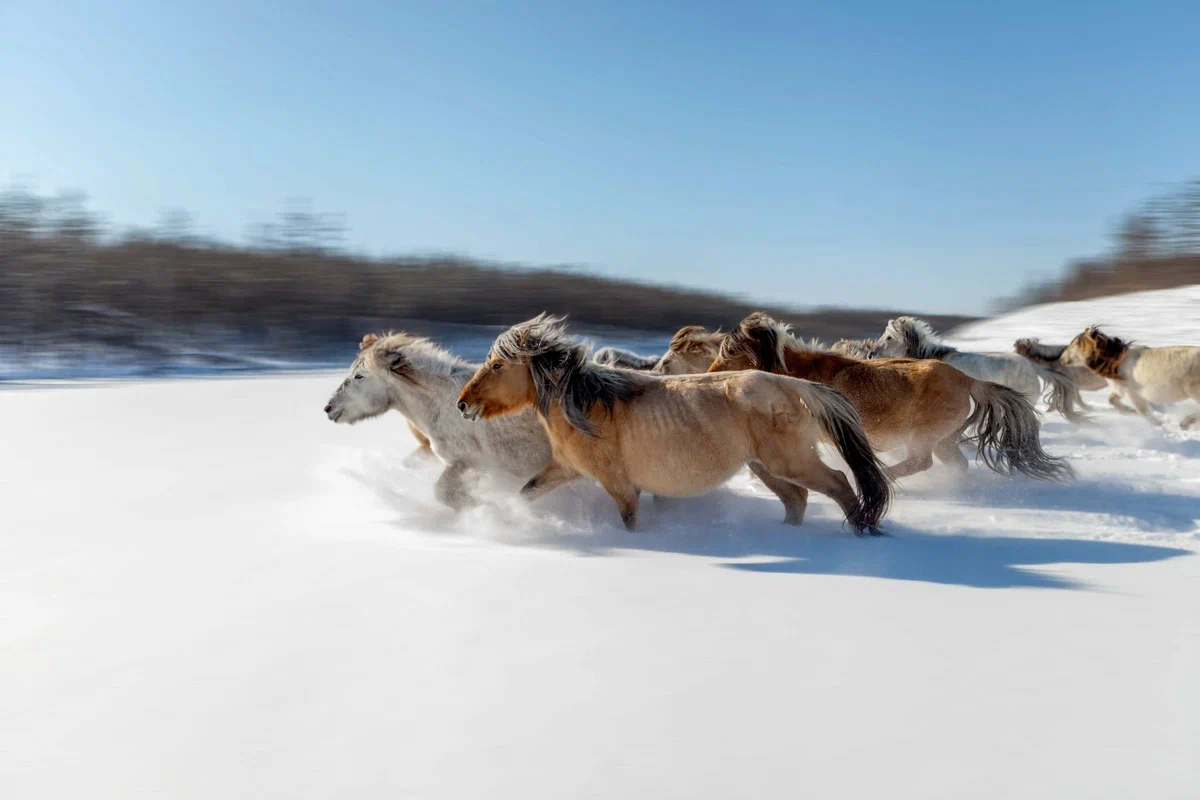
(424, 355)
(919, 338)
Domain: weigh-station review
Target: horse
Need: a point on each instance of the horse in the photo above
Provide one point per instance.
(914, 338)
(675, 435)
(1144, 375)
(925, 405)
(421, 380)
(1050, 356)
(861, 349)
(624, 359)
(691, 350)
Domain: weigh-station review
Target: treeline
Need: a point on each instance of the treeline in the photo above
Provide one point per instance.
(1155, 246)
(293, 289)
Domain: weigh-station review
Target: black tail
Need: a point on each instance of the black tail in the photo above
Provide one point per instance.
(1006, 432)
(842, 426)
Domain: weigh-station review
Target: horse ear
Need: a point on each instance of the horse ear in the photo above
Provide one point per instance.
(367, 340)
(395, 361)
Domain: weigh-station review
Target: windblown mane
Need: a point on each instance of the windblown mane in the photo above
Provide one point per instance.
(862, 349)
(562, 373)
(919, 339)
(1102, 353)
(695, 339)
(623, 359)
(1034, 350)
(761, 340)
(408, 356)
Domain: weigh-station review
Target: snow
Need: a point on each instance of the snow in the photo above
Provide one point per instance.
(1161, 317)
(207, 590)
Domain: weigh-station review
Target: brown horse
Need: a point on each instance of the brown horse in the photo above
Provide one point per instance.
(675, 436)
(922, 404)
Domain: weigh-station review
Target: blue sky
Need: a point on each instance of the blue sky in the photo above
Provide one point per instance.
(930, 156)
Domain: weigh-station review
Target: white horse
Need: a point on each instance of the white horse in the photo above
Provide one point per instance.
(422, 381)
(624, 359)
(1142, 374)
(914, 338)
(1050, 356)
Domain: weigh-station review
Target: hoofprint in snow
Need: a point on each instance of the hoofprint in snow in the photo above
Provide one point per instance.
(208, 590)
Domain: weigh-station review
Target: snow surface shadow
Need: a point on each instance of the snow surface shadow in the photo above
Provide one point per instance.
(743, 530)
(1149, 511)
(727, 525)
(969, 559)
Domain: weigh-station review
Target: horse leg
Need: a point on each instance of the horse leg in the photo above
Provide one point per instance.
(1114, 400)
(807, 470)
(795, 498)
(949, 453)
(553, 475)
(1144, 409)
(920, 458)
(450, 489)
(626, 496)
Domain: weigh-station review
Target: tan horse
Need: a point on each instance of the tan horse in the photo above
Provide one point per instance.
(924, 404)
(1142, 374)
(854, 348)
(675, 436)
(691, 350)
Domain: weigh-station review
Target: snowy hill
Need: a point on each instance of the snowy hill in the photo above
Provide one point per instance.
(1167, 316)
(209, 591)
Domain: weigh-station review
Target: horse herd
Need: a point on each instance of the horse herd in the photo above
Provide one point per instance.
(678, 425)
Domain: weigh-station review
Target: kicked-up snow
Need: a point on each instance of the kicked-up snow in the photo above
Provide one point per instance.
(207, 590)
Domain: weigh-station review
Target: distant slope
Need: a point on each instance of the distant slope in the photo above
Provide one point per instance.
(1166, 316)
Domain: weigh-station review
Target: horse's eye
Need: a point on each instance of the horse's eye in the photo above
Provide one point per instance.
(497, 364)
(358, 377)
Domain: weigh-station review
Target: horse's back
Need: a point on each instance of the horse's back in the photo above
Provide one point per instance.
(1008, 369)
(684, 434)
(1166, 374)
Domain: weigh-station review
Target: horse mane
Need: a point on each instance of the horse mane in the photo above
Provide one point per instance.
(407, 355)
(762, 340)
(623, 359)
(1034, 350)
(562, 373)
(862, 349)
(919, 338)
(1102, 353)
(695, 339)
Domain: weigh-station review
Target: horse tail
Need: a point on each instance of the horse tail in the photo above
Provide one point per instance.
(623, 359)
(843, 428)
(1006, 434)
(1062, 393)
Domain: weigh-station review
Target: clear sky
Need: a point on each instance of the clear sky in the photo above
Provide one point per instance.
(904, 154)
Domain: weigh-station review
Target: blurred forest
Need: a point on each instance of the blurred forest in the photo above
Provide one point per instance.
(1155, 246)
(67, 280)
(73, 286)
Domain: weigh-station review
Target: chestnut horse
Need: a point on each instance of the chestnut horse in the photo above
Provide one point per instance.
(923, 404)
(675, 436)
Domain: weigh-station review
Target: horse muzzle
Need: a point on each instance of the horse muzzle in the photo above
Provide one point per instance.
(469, 412)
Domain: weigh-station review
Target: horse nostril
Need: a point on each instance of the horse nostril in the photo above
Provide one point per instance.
(328, 409)
(462, 405)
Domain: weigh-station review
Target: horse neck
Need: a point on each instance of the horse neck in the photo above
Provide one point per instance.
(814, 366)
(557, 428)
(425, 407)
